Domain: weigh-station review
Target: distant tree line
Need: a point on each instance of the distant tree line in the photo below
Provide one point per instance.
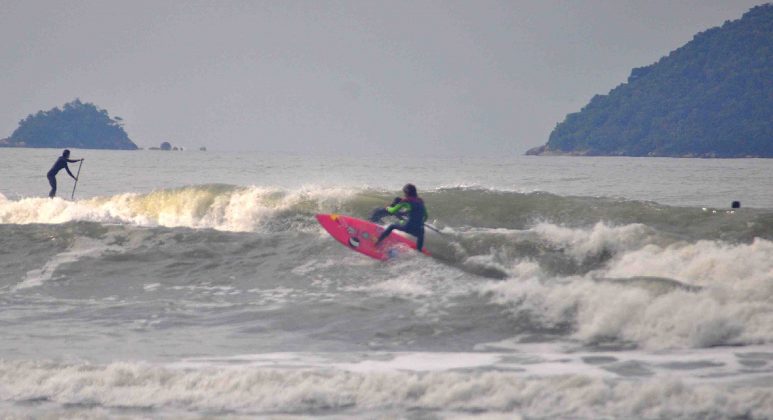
(77, 124)
(713, 97)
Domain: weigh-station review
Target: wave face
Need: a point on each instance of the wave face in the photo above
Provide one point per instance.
(225, 270)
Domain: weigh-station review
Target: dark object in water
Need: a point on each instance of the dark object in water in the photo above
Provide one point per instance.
(736, 204)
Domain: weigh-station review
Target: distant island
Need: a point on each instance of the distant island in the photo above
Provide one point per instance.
(77, 124)
(711, 98)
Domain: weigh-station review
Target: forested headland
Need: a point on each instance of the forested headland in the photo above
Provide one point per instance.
(713, 97)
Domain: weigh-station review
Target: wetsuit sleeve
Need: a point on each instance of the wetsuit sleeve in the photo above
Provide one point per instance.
(399, 206)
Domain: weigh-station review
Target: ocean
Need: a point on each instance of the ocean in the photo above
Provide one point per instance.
(198, 285)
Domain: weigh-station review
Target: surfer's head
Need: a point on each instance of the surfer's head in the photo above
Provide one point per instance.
(66, 153)
(410, 190)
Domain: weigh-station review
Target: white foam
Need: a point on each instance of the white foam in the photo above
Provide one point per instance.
(741, 267)
(581, 243)
(217, 207)
(362, 384)
(415, 277)
(407, 285)
(80, 248)
(734, 304)
(373, 362)
(151, 287)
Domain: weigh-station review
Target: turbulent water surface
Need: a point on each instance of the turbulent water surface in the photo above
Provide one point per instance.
(199, 285)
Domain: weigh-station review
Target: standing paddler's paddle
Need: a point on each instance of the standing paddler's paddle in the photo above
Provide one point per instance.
(76, 180)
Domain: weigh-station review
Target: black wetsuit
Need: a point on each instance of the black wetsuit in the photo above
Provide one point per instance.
(60, 164)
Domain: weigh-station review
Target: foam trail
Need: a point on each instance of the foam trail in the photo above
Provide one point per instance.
(81, 248)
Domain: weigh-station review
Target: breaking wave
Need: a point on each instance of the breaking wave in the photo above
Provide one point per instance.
(326, 391)
(600, 271)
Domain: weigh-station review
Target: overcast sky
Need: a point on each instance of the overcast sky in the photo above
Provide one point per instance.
(392, 77)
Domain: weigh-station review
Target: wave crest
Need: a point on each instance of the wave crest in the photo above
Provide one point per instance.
(222, 207)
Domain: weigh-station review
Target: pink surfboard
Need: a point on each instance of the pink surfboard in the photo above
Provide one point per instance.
(361, 235)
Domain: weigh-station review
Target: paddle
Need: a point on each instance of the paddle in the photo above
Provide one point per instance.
(430, 227)
(76, 180)
(427, 225)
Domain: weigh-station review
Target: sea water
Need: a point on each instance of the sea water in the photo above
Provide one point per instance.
(199, 285)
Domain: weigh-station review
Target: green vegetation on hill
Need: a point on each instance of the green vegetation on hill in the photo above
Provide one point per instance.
(713, 97)
(76, 125)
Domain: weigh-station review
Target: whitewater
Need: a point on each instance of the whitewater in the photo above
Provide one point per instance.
(199, 285)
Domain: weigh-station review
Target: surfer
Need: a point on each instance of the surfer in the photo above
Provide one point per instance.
(413, 207)
(61, 163)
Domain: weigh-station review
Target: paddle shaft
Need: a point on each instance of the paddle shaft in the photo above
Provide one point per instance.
(76, 180)
(428, 226)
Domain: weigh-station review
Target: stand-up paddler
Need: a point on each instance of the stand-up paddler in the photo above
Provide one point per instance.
(60, 164)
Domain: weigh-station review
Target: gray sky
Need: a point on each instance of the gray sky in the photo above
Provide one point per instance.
(446, 78)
